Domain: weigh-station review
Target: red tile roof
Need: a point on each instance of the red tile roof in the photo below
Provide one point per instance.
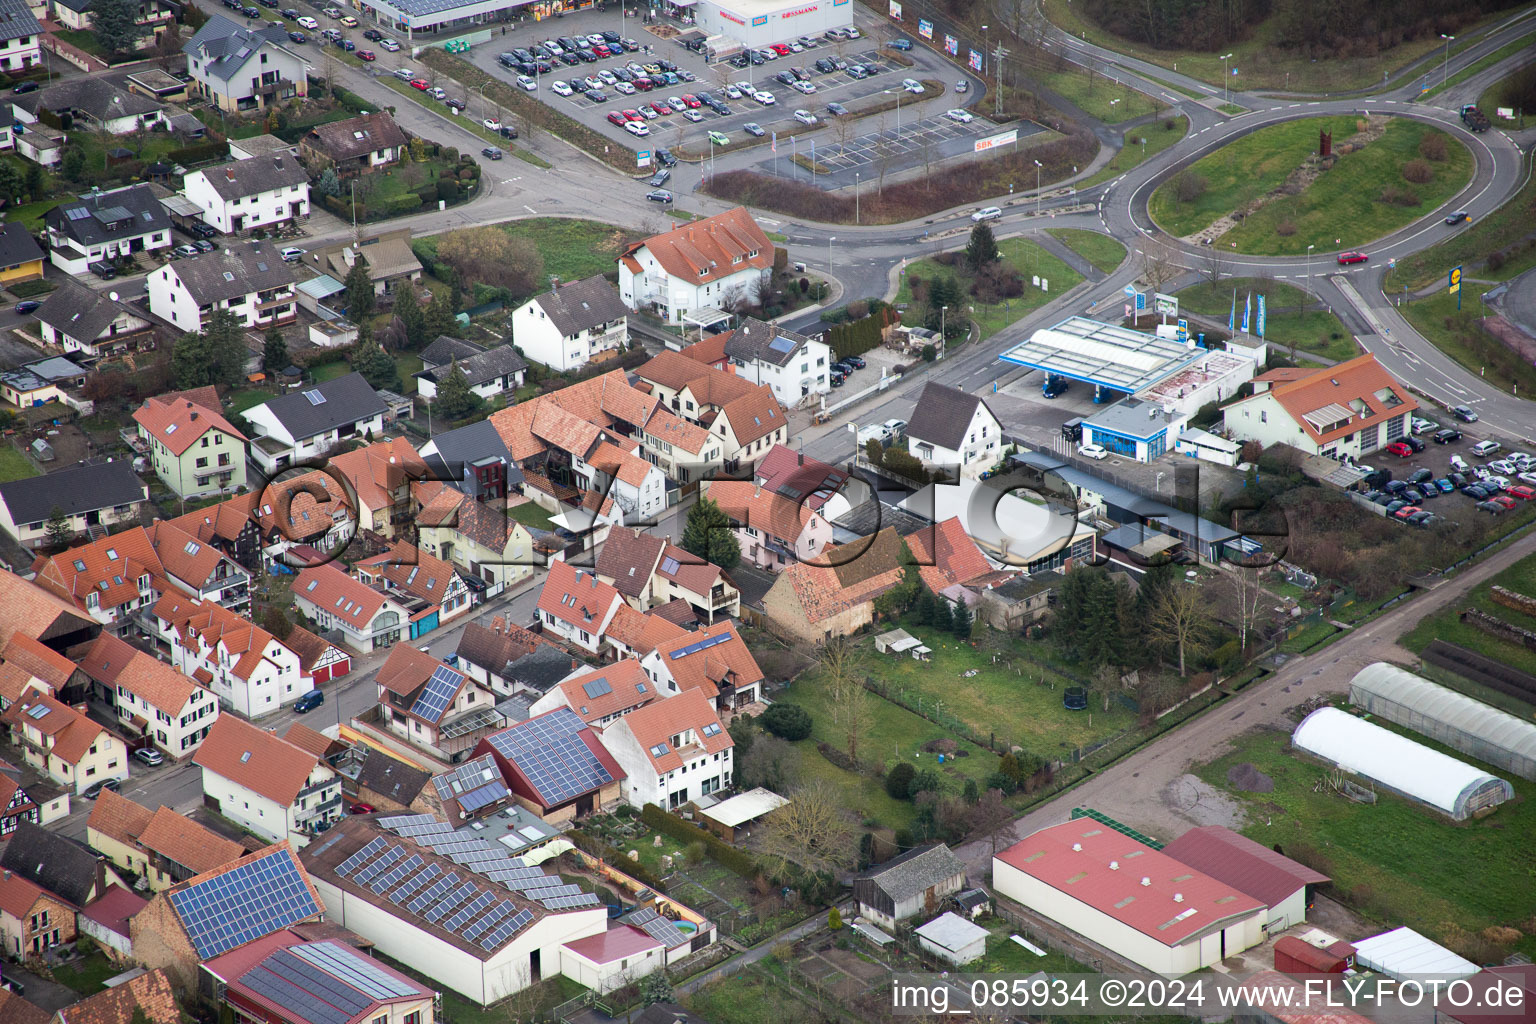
(112, 910)
(728, 662)
(307, 739)
(16, 1010)
(110, 568)
(710, 351)
(38, 660)
(1361, 385)
(710, 249)
(178, 420)
(340, 595)
(150, 993)
(17, 895)
(750, 505)
(621, 463)
(643, 632)
(204, 622)
(622, 685)
(378, 471)
(223, 521)
(114, 663)
(1250, 867)
(1176, 904)
(256, 759)
(691, 711)
(618, 943)
(184, 556)
(577, 596)
(628, 558)
(411, 571)
(955, 558)
(601, 401)
(31, 611)
(786, 471)
(302, 507)
(677, 432)
(689, 571)
(119, 818)
(72, 732)
(847, 576)
(187, 843)
(752, 409)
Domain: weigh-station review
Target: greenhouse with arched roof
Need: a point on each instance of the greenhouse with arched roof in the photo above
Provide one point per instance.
(1446, 716)
(1399, 764)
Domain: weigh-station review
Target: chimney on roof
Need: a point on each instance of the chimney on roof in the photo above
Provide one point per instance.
(1178, 897)
(229, 172)
(802, 457)
(193, 415)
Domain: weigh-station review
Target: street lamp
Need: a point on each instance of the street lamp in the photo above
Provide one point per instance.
(943, 311)
(1309, 272)
(1037, 196)
(1225, 94)
(830, 240)
(898, 93)
(1445, 68)
(855, 198)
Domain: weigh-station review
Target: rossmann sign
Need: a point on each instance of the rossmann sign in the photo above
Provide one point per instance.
(728, 16)
(810, 9)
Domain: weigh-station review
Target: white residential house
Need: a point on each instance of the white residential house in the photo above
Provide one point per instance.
(153, 18)
(950, 428)
(102, 226)
(249, 280)
(368, 619)
(568, 326)
(636, 486)
(773, 529)
(266, 784)
(489, 372)
(706, 263)
(257, 193)
(1347, 410)
(297, 427)
(153, 699)
(63, 743)
(21, 37)
(794, 365)
(236, 68)
(80, 319)
(576, 606)
(674, 751)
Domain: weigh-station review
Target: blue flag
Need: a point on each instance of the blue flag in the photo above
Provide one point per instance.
(1247, 307)
(1232, 316)
(1261, 316)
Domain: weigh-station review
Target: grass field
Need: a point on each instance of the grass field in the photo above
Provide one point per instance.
(1455, 332)
(1399, 861)
(748, 997)
(1316, 330)
(1097, 96)
(14, 465)
(1344, 201)
(1261, 59)
(1154, 139)
(532, 515)
(89, 975)
(1101, 250)
(406, 363)
(573, 249)
(1445, 625)
(1021, 709)
(1027, 258)
(1471, 245)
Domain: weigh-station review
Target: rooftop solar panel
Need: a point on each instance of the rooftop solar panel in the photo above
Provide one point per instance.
(322, 986)
(419, 832)
(511, 926)
(294, 999)
(403, 820)
(439, 693)
(701, 645)
(392, 877)
(355, 861)
(453, 899)
(357, 970)
(494, 916)
(415, 882)
(438, 887)
(484, 796)
(597, 687)
(386, 860)
(469, 910)
(585, 899)
(657, 927)
(245, 903)
(549, 750)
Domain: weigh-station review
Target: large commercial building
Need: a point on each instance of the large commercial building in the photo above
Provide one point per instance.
(756, 23)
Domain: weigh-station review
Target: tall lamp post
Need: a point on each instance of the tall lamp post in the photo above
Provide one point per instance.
(856, 198)
(1445, 68)
(1226, 96)
(1309, 273)
(943, 312)
(830, 240)
(898, 94)
(1037, 196)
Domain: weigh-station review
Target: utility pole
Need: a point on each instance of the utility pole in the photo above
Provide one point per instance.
(1226, 96)
(997, 77)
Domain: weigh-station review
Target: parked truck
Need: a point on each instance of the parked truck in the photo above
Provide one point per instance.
(1474, 119)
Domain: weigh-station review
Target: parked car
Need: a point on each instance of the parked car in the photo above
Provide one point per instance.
(1414, 443)
(203, 245)
(298, 37)
(361, 808)
(754, 129)
(895, 429)
(1464, 414)
(390, 45)
(1445, 485)
(1522, 491)
(660, 195)
(1446, 436)
(1406, 512)
(913, 86)
(1352, 257)
(309, 701)
(900, 43)
(1418, 476)
(659, 178)
(1093, 451)
(1489, 506)
(1413, 494)
(93, 791)
(367, 55)
(1505, 502)
(805, 117)
(836, 109)
(719, 138)
(185, 250)
(491, 153)
(1483, 449)
(857, 362)
(26, 306)
(835, 379)
(962, 116)
(1399, 449)
(1423, 426)
(149, 756)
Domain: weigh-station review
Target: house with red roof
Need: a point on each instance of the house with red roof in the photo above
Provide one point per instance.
(1347, 410)
(1144, 906)
(381, 475)
(1253, 868)
(266, 784)
(194, 449)
(673, 751)
(430, 587)
(612, 959)
(319, 983)
(433, 706)
(367, 618)
(153, 700)
(835, 595)
(31, 919)
(814, 483)
(649, 571)
(747, 418)
(773, 529)
(555, 765)
(713, 660)
(65, 744)
(478, 537)
(717, 261)
(107, 920)
(602, 695)
(160, 846)
(16, 805)
(577, 606)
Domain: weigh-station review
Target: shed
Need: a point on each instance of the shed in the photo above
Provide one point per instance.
(1403, 951)
(896, 640)
(906, 886)
(1252, 869)
(612, 959)
(42, 450)
(1292, 956)
(725, 817)
(951, 937)
(973, 902)
(1399, 764)
(1454, 719)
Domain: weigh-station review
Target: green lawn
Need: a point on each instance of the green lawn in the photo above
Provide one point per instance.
(573, 249)
(1153, 140)
(407, 364)
(1315, 330)
(1101, 250)
(1027, 258)
(1022, 709)
(323, 372)
(1097, 96)
(14, 465)
(31, 214)
(1345, 201)
(1446, 625)
(748, 997)
(1004, 956)
(1456, 333)
(89, 975)
(532, 515)
(1398, 861)
(1470, 245)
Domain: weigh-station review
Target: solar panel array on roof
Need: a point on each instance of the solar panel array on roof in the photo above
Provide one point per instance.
(597, 687)
(439, 887)
(375, 846)
(355, 969)
(372, 871)
(657, 927)
(414, 883)
(439, 693)
(492, 917)
(422, 832)
(511, 926)
(295, 998)
(393, 876)
(781, 344)
(585, 899)
(405, 820)
(245, 903)
(550, 752)
(453, 899)
(484, 796)
(701, 645)
(470, 909)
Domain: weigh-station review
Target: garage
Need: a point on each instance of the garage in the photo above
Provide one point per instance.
(756, 23)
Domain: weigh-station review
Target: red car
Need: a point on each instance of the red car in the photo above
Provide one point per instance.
(617, 119)
(643, 84)
(363, 808)
(661, 108)
(633, 115)
(1503, 500)
(1353, 257)
(1522, 492)
(1400, 449)
(602, 51)
(1406, 511)
(420, 83)
(781, 49)
(691, 101)
(366, 55)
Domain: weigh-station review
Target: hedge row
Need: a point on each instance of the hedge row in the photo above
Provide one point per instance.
(688, 833)
(524, 106)
(199, 152)
(597, 848)
(858, 337)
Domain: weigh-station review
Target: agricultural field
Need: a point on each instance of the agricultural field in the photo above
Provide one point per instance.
(1446, 625)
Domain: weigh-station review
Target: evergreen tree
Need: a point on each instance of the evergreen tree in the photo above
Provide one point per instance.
(454, 399)
(943, 291)
(377, 368)
(982, 248)
(328, 184)
(114, 23)
(438, 320)
(224, 337)
(58, 530)
(35, 181)
(922, 608)
(191, 362)
(961, 620)
(972, 793)
(898, 781)
(360, 297)
(655, 988)
(274, 351)
(708, 535)
(408, 309)
(943, 618)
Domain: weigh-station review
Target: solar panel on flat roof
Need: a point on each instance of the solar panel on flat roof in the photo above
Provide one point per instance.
(657, 927)
(421, 832)
(457, 844)
(453, 899)
(409, 887)
(439, 692)
(404, 820)
(484, 796)
(372, 871)
(357, 970)
(550, 891)
(255, 899)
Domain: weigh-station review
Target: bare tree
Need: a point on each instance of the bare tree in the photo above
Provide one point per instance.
(1215, 266)
(845, 693)
(1105, 680)
(1242, 596)
(812, 831)
(530, 126)
(1159, 264)
(1181, 619)
(992, 819)
(884, 154)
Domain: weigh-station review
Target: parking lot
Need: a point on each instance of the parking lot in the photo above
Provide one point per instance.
(1420, 479)
(670, 127)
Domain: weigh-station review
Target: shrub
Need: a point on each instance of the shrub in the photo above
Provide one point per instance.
(696, 852)
(407, 203)
(1285, 229)
(1418, 172)
(787, 721)
(929, 353)
(1495, 262)
(1397, 196)
(1432, 147)
(898, 781)
(1188, 186)
(447, 190)
(834, 919)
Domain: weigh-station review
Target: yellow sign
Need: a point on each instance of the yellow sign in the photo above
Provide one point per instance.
(1456, 279)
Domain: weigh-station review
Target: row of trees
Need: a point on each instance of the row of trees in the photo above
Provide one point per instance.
(1099, 624)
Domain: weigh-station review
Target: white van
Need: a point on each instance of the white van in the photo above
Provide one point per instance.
(1459, 464)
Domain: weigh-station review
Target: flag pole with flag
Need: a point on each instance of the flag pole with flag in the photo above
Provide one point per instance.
(1261, 316)
(1232, 316)
(1247, 308)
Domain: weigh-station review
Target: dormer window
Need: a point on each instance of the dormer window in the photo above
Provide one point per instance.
(752, 254)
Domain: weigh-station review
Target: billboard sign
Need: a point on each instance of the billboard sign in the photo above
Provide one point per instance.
(896, 10)
(1167, 305)
(925, 28)
(975, 60)
(951, 45)
(993, 141)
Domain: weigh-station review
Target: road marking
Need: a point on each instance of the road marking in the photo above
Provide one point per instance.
(529, 208)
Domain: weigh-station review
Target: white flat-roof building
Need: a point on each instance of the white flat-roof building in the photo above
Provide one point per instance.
(756, 23)
(1403, 952)
(1104, 355)
(951, 937)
